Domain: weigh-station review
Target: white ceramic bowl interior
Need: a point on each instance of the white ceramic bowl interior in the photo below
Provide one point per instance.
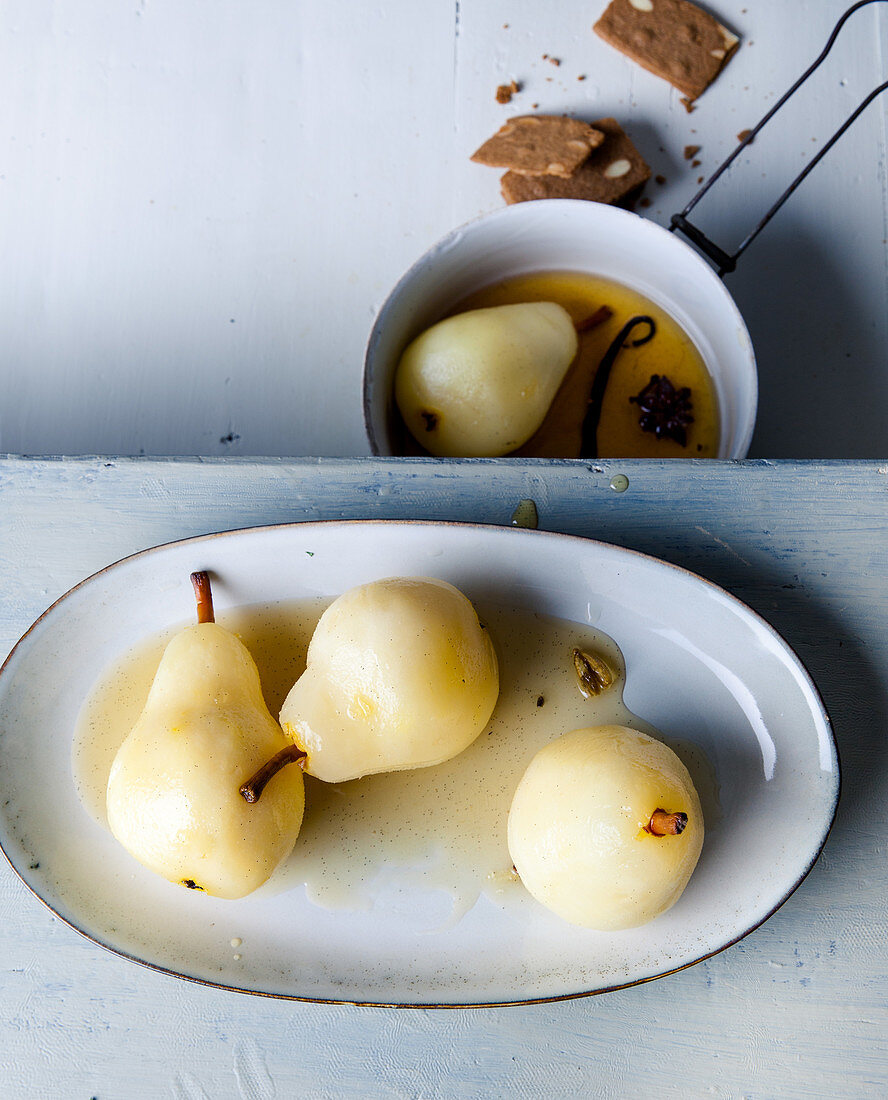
(567, 235)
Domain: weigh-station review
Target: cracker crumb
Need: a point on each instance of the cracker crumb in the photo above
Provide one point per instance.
(700, 179)
(582, 77)
(660, 179)
(688, 104)
(690, 151)
(696, 163)
(645, 201)
(743, 135)
(505, 92)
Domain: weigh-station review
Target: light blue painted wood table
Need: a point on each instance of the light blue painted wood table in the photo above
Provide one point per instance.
(798, 1008)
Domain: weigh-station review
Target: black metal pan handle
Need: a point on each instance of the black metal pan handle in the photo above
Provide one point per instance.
(726, 261)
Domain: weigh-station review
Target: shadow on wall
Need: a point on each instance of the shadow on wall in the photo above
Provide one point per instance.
(821, 347)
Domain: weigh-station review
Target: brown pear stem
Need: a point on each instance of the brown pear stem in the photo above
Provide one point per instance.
(663, 823)
(602, 314)
(204, 595)
(255, 785)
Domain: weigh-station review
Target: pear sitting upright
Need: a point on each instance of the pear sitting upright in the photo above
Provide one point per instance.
(184, 790)
(480, 383)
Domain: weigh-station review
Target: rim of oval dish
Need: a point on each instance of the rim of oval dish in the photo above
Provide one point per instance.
(720, 593)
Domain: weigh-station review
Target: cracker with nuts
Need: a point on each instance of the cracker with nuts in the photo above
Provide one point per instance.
(548, 145)
(674, 39)
(613, 172)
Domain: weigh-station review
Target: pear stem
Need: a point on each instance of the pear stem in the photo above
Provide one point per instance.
(255, 785)
(602, 314)
(663, 823)
(204, 594)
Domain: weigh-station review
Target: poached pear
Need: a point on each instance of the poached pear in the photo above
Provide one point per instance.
(479, 384)
(400, 674)
(199, 791)
(605, 827)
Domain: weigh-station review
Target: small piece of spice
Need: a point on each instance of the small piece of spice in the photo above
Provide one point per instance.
(665, 410)
(594, 675)
(602, 314)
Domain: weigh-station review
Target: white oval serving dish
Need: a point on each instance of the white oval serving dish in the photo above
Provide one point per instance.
(700, 666)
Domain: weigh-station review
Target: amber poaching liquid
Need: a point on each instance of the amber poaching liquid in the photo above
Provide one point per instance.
(670, 352)
(439, 829)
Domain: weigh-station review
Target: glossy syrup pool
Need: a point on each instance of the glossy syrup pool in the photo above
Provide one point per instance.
(670, 352)
(441, 828)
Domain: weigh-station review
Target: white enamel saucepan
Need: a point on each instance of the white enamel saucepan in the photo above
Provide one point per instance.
(571, 235)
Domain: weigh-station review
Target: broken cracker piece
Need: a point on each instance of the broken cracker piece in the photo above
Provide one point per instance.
(674, 39)
(550, 145)
(612, 172)
(505, 92)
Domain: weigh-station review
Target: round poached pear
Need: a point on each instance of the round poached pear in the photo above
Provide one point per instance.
(400, 674)
(581, 834)
(480, 383)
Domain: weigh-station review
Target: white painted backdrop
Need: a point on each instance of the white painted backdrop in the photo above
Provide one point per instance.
(204, 203)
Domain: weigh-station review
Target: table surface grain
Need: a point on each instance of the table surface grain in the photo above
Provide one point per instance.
(797, 1009)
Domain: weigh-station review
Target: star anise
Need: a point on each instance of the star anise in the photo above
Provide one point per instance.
(665, 411)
